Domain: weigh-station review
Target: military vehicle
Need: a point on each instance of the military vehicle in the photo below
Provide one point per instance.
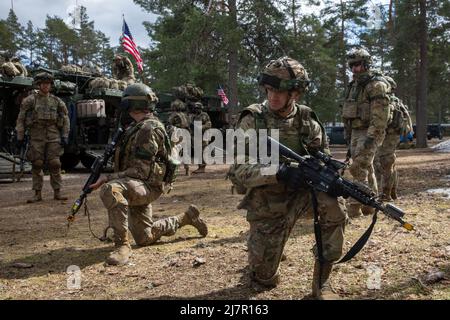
(219, 114)
(12, 91)
(94, 113)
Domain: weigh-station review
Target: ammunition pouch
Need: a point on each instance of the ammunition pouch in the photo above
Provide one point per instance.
(350, 110)
(237, 185)
(364, 113)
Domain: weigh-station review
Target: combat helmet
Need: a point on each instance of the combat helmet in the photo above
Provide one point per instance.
(138, 96)
(197, 107)
(43, 77)
(177, 105)
(285, 74)
(358, 55)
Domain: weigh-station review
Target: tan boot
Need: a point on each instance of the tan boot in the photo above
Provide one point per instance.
(119, 256)
(36, 198)
(122, 252)
(386, 195)
(394, 194)
(321, 288)
(186, 170)
(191, 217)
(57, 195)
(354, 211)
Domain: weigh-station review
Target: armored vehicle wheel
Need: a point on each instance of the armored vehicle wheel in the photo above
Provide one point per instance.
(69, 161)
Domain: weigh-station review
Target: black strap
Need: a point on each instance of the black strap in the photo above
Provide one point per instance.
(318, 235)
(317, 230)
(361, 241)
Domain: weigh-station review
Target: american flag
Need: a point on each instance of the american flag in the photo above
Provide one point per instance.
(131, 47)
(222, 95)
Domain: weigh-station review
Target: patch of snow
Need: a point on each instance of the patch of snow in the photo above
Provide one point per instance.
(442, 147)
(443, 191)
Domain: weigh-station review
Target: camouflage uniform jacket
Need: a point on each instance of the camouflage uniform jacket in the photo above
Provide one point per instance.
(204, 118)
(300, 131)
(141, 152)
(367, 105)
(45, 116)
(179, 119)
(123, 70)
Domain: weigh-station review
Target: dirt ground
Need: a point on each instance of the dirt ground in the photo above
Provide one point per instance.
(35, 250)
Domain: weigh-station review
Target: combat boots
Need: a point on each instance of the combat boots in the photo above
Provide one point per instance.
(386, 195)
(394, 194)
(321, 288)
(57, 195)
(122, 253)
(36, 198)
(201, 169)
(354, 211)
(191, 217)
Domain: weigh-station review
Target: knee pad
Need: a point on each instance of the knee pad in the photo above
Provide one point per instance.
(111, 195)
(38, 164)
(54, 164)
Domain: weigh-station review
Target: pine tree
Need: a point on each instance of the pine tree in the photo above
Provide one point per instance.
(13, 41)
(30, 41)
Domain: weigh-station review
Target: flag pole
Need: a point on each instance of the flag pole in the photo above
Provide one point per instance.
(141, 73)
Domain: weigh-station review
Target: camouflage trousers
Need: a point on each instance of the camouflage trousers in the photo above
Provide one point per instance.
(268, 236)
(362, 169)
(38, 153)
(129, 207)
(384, 163)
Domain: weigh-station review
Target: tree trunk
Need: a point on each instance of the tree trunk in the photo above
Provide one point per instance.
(294, 21)
(423, 79)
(233, 63)
(343, 49)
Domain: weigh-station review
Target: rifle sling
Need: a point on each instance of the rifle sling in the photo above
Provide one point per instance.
(361, 241)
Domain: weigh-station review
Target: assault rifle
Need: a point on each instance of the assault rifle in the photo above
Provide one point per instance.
(96, 169)
(23, 154)
(321, 173)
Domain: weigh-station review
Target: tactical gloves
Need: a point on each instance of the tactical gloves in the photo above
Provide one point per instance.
(293, 177)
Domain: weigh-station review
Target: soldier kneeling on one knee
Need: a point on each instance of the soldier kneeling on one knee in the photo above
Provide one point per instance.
(141, 161)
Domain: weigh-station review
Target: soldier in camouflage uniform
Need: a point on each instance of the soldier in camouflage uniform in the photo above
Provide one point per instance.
(384, 161)
(45, 117)
(141, 163)
(365, 114)
(203, 117)
(275, 202)
(179, 119)
(122, 69)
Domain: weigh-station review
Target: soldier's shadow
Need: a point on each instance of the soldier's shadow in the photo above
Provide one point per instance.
(52, 262)
(57, 261)
(244, 290)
